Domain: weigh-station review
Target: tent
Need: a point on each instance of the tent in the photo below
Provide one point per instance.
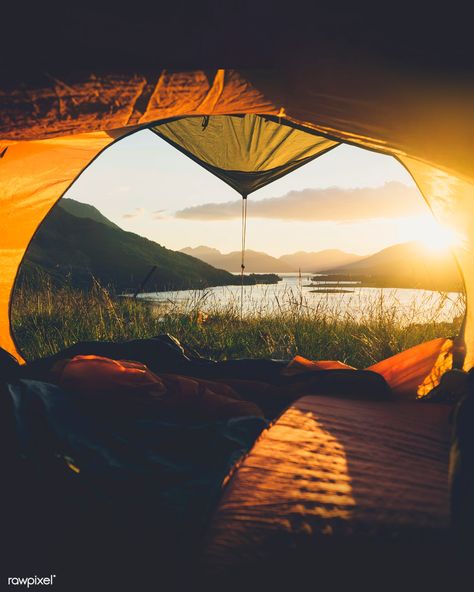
(247, 125)
(250, 92)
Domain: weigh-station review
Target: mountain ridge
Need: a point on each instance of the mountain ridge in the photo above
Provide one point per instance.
(83, 210)
(258, 261)
(255, 261)
(76, 249)
(409, 264)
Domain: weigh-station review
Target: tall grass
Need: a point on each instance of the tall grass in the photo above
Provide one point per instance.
(47, 318)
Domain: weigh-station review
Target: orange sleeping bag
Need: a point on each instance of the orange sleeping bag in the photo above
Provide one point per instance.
(410, 374)
(122, 385)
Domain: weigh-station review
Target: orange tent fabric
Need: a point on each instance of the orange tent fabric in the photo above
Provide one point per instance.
(33, 176)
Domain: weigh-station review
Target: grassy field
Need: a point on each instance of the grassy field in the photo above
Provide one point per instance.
(48, 319)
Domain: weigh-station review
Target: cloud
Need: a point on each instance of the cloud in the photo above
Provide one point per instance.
(138, 212)
(392, 200)
(134, 214)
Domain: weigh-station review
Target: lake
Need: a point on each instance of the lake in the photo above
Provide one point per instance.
(295, 291)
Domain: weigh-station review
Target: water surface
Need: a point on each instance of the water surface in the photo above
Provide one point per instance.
(297, 291)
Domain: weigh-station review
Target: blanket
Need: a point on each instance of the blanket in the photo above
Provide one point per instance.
(83, 488)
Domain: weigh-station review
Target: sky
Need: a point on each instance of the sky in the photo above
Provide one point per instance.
(351, 199)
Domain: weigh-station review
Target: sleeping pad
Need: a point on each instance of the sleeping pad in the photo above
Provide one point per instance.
(339, 494)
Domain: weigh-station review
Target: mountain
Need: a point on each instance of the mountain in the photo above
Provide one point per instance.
(201, 251)
(255, 261)
(82, 210)
(409, 265)
(85, 244)
(315, 262)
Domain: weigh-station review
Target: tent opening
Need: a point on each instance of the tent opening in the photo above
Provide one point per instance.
(343, 260)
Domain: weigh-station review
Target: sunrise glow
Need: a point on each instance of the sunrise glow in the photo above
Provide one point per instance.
(427, 231)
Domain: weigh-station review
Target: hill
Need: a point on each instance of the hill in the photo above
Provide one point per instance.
(85, 244)
(406, 265)
(315, 262)
(255, 261)
(82, 210)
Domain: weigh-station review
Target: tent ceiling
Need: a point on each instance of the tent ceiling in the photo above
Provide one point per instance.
(246, 151)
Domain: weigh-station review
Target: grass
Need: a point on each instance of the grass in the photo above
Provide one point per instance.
(47, 319)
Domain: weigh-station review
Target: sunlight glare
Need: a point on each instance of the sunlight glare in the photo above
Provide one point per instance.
(427, 231)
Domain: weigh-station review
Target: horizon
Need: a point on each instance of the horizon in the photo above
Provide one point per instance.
(422, 245)
(349, 199)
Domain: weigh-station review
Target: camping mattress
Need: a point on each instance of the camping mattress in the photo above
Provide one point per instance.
(332, 469)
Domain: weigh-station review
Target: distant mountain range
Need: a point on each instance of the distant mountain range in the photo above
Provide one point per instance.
(406, 265)
(76, 243)
(256, 261)
(410, 265)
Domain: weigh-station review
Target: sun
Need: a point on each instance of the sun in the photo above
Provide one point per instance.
(437, 238)
(425, 230)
